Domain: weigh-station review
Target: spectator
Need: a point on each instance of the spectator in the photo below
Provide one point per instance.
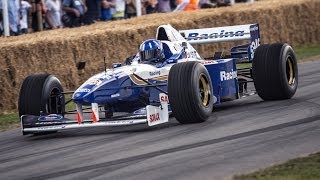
(131, 8)
(164, 6)
(106, 9)
(1, 18)
(187, 5)
(173, 4)
(25, 7)
(94, 11)
(53, 16)
(221, 2)
(38, 7)
(75, 10)
(151, 6)
(13, 13)
(119, 9)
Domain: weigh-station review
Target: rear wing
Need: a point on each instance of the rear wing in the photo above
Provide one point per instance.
(225, 34)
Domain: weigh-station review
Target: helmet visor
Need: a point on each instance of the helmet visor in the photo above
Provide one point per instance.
(148, 54)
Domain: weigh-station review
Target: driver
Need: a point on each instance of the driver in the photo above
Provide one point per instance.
(151, 51)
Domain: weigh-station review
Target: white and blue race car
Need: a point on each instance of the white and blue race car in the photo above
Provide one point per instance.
(149, 88)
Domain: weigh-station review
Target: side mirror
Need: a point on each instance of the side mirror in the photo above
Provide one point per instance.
(184, 45)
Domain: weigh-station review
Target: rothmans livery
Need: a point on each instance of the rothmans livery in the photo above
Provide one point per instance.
(166, 77)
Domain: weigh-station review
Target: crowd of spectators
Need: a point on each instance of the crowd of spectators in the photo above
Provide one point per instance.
(36, 15)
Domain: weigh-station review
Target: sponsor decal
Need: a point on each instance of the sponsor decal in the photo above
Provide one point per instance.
(83, 90)
(106, 76)
(154, 73)
(48, 123)
(253, 46)
(51, 127)
(154, 117)
(137, 81)
(141, 111)
(224, 76)
(208, 62)
(121, 122)
(115, 95)
(160, 78)
(164, 98)
(50, 117)
(95, 82)
(217, 35)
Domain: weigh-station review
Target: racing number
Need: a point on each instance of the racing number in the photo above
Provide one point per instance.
(154, 117)
(164, 99)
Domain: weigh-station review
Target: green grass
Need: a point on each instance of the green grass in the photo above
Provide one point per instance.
(9, 120)
(305, 52)
(306, 168)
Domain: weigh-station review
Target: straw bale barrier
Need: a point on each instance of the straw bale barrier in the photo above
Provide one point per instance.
(58, 51)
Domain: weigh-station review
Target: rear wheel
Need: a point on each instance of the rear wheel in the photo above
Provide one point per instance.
(190, 92)
(275, 71)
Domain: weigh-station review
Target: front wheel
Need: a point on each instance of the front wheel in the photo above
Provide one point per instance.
(190, 92)
(41, 94)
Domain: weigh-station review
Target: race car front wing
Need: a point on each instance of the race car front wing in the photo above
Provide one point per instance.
(155, 115)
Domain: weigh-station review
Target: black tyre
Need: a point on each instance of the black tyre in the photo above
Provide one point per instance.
(275, 71)
(41, 93)
(190, 92)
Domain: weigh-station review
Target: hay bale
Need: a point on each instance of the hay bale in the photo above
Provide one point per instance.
(58, 51)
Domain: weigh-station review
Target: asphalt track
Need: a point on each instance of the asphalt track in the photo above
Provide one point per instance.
(240, 136)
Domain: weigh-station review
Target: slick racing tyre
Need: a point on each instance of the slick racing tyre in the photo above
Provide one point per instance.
(190, 92)
(41, 93)
(275, 71)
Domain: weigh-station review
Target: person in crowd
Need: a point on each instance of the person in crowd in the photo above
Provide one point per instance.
(131, 10)
(94, 11)
(38, 8)
(151, 6)
(221, 2)
(14, 17)
(173, 4)
(106, 9)
(119, 10)
(53, 16)
(24, 9)
(187, 5)
(75, 10)
(1, 19)
(163, 6)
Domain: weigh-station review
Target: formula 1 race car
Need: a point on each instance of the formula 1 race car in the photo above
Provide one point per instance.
(183, 84)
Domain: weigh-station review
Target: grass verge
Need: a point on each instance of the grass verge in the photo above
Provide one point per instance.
(9, 120)
(296, 169)
(303, 52)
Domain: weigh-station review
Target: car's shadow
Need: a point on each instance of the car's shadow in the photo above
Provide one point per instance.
(131, 129)
(237, 105)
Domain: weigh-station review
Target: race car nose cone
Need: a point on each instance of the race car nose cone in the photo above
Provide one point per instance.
(82, 95)
(79, 96)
